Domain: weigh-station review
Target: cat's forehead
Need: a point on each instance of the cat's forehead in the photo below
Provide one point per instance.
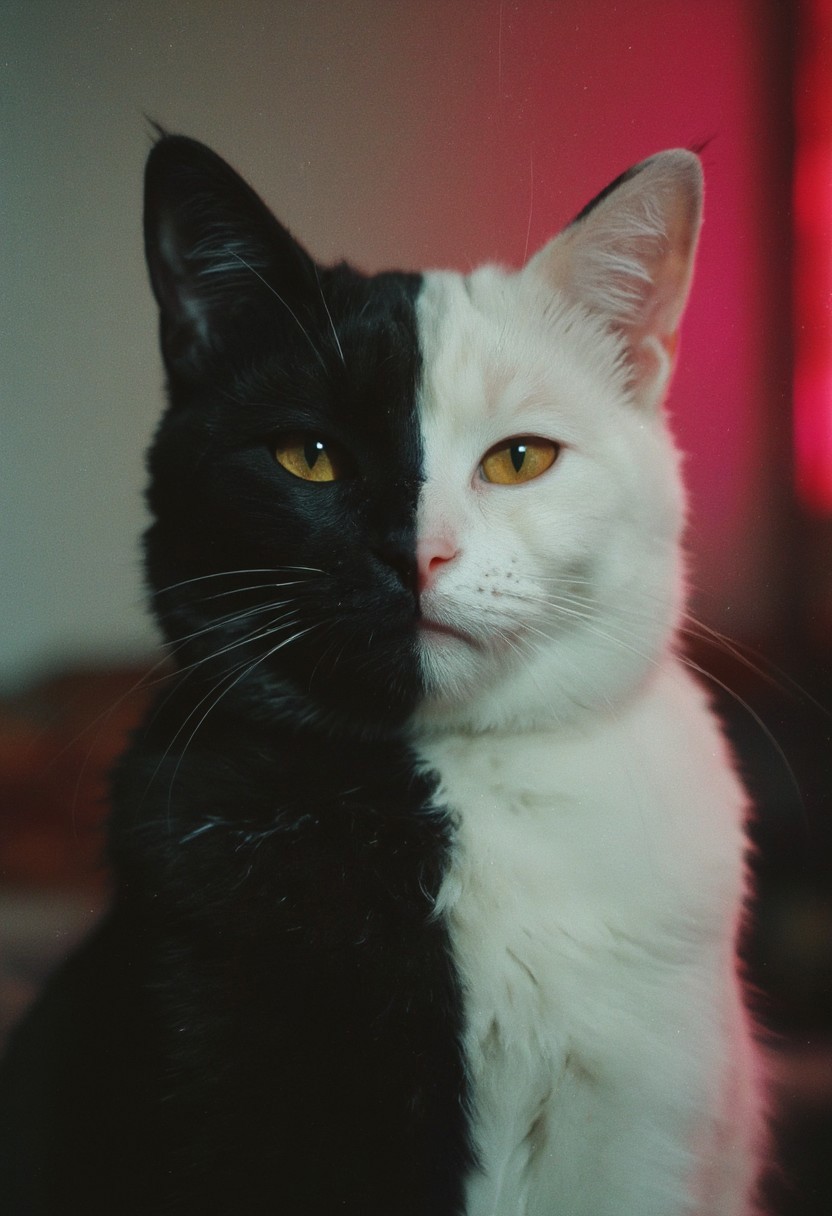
(501, 353)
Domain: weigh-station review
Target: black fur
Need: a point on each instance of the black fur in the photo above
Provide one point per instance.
(269, 1019)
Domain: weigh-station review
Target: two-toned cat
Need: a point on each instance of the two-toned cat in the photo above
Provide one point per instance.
(428, 862)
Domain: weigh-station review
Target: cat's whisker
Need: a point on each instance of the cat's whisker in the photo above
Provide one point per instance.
(247, 669)
(749, 709)
(564, 607)
(267, 630)
(577, 608)
(144, 681)
(172, 649)
(217, 695)
(235, 573)
(199, 578)
(224, 620)
(325, 653)
(527, 651)
(579, 601)
(329, 316)
(184, 671)
(588, 609)
(363, 309)
(515, 644)
(565, 580)
(655, 661)
(531, 205)
(285, 304)
(776, 676)
(276, 586)
(551, 600)
(764, 669)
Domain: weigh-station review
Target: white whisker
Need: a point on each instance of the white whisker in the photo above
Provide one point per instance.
(279, 297)
(222, 622)
(267, 630)
(329, 315)
(218, 595)
(247, 669)
(199, 578)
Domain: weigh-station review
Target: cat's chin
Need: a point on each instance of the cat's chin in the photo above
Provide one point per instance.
(457, 669)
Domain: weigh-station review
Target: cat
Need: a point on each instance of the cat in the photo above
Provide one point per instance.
(429, 862)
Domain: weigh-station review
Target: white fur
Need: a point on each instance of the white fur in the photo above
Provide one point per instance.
(593, 902)
(597, 878)
(598, 532)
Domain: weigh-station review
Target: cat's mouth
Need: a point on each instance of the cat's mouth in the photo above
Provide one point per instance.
(429, 627)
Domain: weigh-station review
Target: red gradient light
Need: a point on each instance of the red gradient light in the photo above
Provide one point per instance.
(813, 259)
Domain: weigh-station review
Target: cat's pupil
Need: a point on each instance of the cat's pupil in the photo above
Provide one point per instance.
(312, 449)
(518, 455)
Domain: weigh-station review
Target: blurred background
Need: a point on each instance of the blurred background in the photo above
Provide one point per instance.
(423, 133)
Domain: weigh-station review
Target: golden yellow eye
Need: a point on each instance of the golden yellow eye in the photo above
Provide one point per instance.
(309, 457)
(517, 460)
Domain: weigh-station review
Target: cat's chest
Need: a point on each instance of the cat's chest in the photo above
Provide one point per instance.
(560, 867)
(588, 845)
(593, 881)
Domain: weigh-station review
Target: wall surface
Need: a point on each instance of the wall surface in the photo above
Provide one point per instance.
(404, 132)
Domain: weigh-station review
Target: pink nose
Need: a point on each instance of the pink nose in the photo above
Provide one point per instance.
(432, 553)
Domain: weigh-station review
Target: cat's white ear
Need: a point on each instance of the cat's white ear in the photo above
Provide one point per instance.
(629, 256)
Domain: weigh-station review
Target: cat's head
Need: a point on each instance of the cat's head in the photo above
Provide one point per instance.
(408, 497)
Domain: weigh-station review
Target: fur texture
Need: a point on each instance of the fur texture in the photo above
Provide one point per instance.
(429, 864)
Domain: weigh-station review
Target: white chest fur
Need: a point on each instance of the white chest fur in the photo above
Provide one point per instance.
(592, 903)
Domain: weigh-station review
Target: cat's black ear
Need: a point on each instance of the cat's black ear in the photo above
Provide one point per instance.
(220, 264)
(629, 256)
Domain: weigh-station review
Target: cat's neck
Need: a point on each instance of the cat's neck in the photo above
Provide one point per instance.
(538, 702)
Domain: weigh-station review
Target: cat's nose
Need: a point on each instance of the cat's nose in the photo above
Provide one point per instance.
(432, 554)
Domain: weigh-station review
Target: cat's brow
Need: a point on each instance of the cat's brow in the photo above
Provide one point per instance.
(286, 305)
(329, 315)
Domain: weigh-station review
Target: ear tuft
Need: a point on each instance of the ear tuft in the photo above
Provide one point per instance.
(628, 257)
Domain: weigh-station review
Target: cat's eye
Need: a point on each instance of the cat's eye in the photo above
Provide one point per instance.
(310, 457)
(514, 461)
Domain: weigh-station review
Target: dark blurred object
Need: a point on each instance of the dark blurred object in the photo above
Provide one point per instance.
(777, 709)
(58, 741)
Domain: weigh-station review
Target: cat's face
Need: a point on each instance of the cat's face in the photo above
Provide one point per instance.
(435, 497)
(568, 583)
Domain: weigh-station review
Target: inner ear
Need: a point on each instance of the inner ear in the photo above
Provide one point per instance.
(629, 256)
